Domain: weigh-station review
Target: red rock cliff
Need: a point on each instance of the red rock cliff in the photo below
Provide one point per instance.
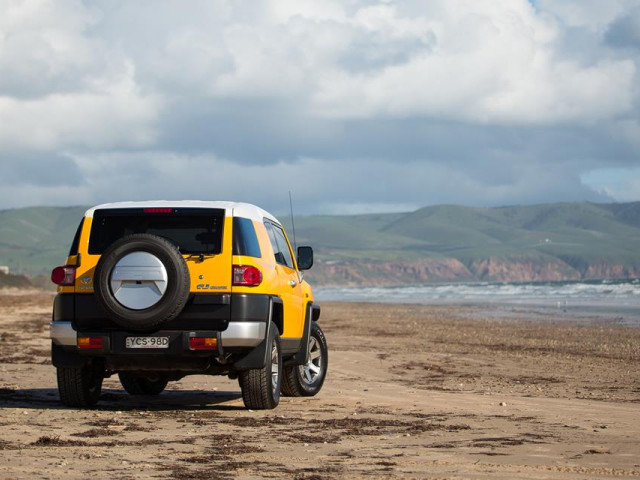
(362, 273)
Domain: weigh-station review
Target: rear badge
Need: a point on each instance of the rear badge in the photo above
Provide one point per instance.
(86, 283)
(206, 286)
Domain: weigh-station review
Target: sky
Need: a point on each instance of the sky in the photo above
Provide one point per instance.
(353, 106)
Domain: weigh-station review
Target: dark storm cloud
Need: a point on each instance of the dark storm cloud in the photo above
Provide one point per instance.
(259, 133)
(625, 31)
(39, 169)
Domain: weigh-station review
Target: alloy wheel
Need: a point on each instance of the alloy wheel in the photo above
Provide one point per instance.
(313, 368)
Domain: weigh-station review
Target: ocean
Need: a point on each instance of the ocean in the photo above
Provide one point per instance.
(616, 300)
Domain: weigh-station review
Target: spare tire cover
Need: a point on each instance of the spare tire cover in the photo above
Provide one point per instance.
(142, 282)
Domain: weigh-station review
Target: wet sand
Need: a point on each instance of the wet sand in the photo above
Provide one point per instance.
(413, 391)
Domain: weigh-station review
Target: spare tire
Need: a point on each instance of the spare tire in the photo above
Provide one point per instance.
(142, 281)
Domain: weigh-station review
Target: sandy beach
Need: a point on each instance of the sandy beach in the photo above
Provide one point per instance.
(413, 391)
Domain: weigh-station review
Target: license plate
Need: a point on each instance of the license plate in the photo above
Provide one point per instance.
(147, 342)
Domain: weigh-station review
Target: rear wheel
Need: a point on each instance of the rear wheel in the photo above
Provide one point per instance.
(306, 380)
(80, 387)
(139, 385)
(261, 386)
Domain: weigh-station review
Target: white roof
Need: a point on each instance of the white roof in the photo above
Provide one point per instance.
(231, 209)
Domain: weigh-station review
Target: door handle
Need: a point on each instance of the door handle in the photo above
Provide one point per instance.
(293, 283)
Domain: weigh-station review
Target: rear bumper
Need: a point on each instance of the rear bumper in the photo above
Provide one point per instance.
(208, 311)
(237, 334)
(240, 322)
(62, 333)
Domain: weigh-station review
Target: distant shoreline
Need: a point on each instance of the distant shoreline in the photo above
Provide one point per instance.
(605, 301)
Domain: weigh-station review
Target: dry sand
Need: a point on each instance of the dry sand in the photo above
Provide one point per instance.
(412, 391)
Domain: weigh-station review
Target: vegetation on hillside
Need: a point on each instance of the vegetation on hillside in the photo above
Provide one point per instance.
(449, 242)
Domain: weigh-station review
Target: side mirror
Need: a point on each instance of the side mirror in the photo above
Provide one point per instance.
(305, 258)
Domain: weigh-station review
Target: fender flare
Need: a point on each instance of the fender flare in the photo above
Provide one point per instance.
(312, 314)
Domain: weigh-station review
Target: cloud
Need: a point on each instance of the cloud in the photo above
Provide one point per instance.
(113, 115)
(318, 185)
(621, 184)
(354, 105)
(61, 87)
(490, 62)
(31, 170)
(594, 15)
(44, 48)
(624, 32)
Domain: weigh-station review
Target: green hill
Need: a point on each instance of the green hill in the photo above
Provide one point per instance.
(523, 243)
(34, 240)
(585, 229)
(445, 242)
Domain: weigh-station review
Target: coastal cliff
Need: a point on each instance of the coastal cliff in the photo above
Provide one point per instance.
(396, 273)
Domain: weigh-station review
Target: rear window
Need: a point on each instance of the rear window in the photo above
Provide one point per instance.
(76, 239)
(245, 240)
(192, 230)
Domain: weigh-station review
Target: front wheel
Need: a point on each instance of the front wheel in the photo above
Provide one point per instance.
(80, 387)
(306, 380)
(261, 386)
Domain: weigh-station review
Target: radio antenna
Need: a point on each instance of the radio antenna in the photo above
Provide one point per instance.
(293, 225)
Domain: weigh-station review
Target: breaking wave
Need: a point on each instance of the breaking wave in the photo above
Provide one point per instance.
(607, 292)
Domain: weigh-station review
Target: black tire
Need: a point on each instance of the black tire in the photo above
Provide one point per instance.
(261, 386)
(178, 282)
(80, 387)
(301, 380)
(138, 385)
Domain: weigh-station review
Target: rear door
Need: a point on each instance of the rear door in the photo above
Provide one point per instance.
(203, 236)
(289, 279)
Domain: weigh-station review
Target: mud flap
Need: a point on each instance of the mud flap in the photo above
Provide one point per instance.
(258, 357)
(66, 358)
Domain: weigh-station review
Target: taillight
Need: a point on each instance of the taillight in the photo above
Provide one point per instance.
(64, 276)
(246, 276)
(91, 343)
(203, 343)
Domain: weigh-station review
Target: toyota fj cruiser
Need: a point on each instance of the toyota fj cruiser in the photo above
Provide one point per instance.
(155, 291)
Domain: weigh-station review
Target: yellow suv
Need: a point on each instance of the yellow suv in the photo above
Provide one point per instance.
(156, 291)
